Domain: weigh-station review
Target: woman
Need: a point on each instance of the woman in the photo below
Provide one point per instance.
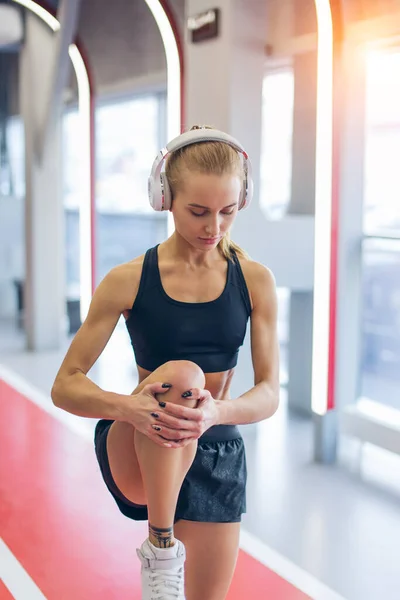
(171, 452)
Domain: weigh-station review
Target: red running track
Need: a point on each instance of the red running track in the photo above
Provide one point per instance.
(4, 593)
(59, 521)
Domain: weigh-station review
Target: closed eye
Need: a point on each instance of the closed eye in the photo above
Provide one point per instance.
(204, 213)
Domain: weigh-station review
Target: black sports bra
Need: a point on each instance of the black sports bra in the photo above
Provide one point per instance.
(208, 333)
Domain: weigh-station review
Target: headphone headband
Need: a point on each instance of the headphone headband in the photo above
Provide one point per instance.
(159, 191)
(203, 135)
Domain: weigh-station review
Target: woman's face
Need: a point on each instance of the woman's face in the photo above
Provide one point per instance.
(205, 207)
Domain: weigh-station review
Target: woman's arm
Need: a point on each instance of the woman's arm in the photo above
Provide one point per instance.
(72, 390)
(262, 401)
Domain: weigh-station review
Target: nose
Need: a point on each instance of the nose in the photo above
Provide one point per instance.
(212, 227)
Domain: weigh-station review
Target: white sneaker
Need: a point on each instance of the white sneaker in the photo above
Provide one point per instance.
(162, 571)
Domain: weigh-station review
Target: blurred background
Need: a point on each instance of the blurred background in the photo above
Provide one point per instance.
(303, 85)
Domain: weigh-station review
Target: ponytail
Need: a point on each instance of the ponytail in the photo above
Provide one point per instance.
(226, 247)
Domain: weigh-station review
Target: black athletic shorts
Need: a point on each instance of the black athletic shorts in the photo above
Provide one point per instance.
(214, 489)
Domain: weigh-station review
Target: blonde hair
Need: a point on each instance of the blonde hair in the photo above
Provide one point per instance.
(216, 158)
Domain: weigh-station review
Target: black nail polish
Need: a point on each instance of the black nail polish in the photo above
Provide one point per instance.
(187, 394)
(166, 385)
(156, 427)
(155, 415)
(162, 404)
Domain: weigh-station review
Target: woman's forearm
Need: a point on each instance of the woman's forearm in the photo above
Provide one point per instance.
(259, 403)
(78, 395)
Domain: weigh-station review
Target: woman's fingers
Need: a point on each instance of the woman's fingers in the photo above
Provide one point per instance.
(178, 443)
(174, 434)
(171, 443)
(182, 412)
(171, 422)
(174, 425)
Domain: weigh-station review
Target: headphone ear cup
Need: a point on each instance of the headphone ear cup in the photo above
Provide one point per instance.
(159, 193)
(243, 200)
(165, 192)
(246, 193)
(155, 193)
(242, 197)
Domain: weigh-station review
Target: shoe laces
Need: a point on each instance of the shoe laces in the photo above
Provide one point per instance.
(166, 585)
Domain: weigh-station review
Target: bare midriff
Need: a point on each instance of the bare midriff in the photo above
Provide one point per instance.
(218, 384)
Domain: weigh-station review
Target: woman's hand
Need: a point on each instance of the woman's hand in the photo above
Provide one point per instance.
(172, 425)
(198, 419)
(163, 426)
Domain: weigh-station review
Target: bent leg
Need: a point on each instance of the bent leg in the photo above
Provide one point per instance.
(163, 470)
(121, 450)
(211, 556)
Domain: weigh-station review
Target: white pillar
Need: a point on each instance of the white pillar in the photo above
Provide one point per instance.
(44, 295)
(349, 301)
(302, 203)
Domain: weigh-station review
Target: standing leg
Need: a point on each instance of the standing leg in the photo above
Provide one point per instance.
(211, 555)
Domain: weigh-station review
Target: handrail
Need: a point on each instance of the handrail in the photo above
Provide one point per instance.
(382, 236)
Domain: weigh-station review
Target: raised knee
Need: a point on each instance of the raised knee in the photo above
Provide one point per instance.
(186, 374)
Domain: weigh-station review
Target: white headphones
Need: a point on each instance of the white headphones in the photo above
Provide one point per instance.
(159, 191)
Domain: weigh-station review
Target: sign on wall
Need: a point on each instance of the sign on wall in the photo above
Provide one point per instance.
(205, 25)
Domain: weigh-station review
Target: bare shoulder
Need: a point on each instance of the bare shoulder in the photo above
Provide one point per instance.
(122, 282)
(260, 281)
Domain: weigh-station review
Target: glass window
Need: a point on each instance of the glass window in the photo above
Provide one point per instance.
(71, 197)
(380, 344)
(276, 175)
(14, 182)
(382, 172)
(380, 372)
(276, 145)
(283, 295)
(127, 141)
(70, 159)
